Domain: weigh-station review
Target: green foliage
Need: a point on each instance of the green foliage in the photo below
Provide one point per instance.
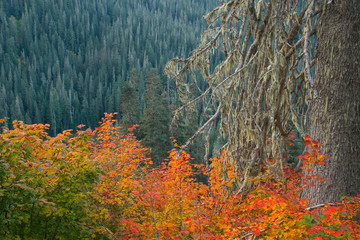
(44, 184)
(156, 120)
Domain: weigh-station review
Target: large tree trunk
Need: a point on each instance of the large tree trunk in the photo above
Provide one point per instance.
(334, 119)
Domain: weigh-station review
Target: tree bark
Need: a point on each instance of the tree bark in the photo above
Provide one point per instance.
(334, 118)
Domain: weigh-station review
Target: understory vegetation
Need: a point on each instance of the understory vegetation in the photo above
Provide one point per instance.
(100, 184)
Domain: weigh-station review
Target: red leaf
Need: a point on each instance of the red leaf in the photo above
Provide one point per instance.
(256, 231)
(330, 210)
(307, 138)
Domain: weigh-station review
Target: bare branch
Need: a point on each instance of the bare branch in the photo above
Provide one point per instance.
(200, 130)
(262, 86)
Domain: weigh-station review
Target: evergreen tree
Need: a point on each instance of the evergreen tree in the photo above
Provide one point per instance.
(138, 84)
(129, 107)
(156, 119)
(178, 127)
(334, 118)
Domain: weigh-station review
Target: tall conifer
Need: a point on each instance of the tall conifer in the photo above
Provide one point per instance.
(129, 107)
(156, 119)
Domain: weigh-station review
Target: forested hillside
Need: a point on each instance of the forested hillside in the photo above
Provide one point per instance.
(66, 62)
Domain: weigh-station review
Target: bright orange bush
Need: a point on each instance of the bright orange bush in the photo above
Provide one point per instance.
(167, 203)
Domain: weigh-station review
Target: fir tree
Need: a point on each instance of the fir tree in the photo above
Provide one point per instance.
(156, 119)
(129, 107)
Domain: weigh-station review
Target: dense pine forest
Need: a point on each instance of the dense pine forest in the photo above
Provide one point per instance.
(67, 62)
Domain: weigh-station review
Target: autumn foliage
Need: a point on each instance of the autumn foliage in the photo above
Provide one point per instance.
(99, 184)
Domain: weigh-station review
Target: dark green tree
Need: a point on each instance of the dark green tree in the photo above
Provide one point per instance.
(129, 107)
(156, 120)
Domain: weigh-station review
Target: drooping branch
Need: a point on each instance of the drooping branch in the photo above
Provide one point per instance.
(261, 88)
